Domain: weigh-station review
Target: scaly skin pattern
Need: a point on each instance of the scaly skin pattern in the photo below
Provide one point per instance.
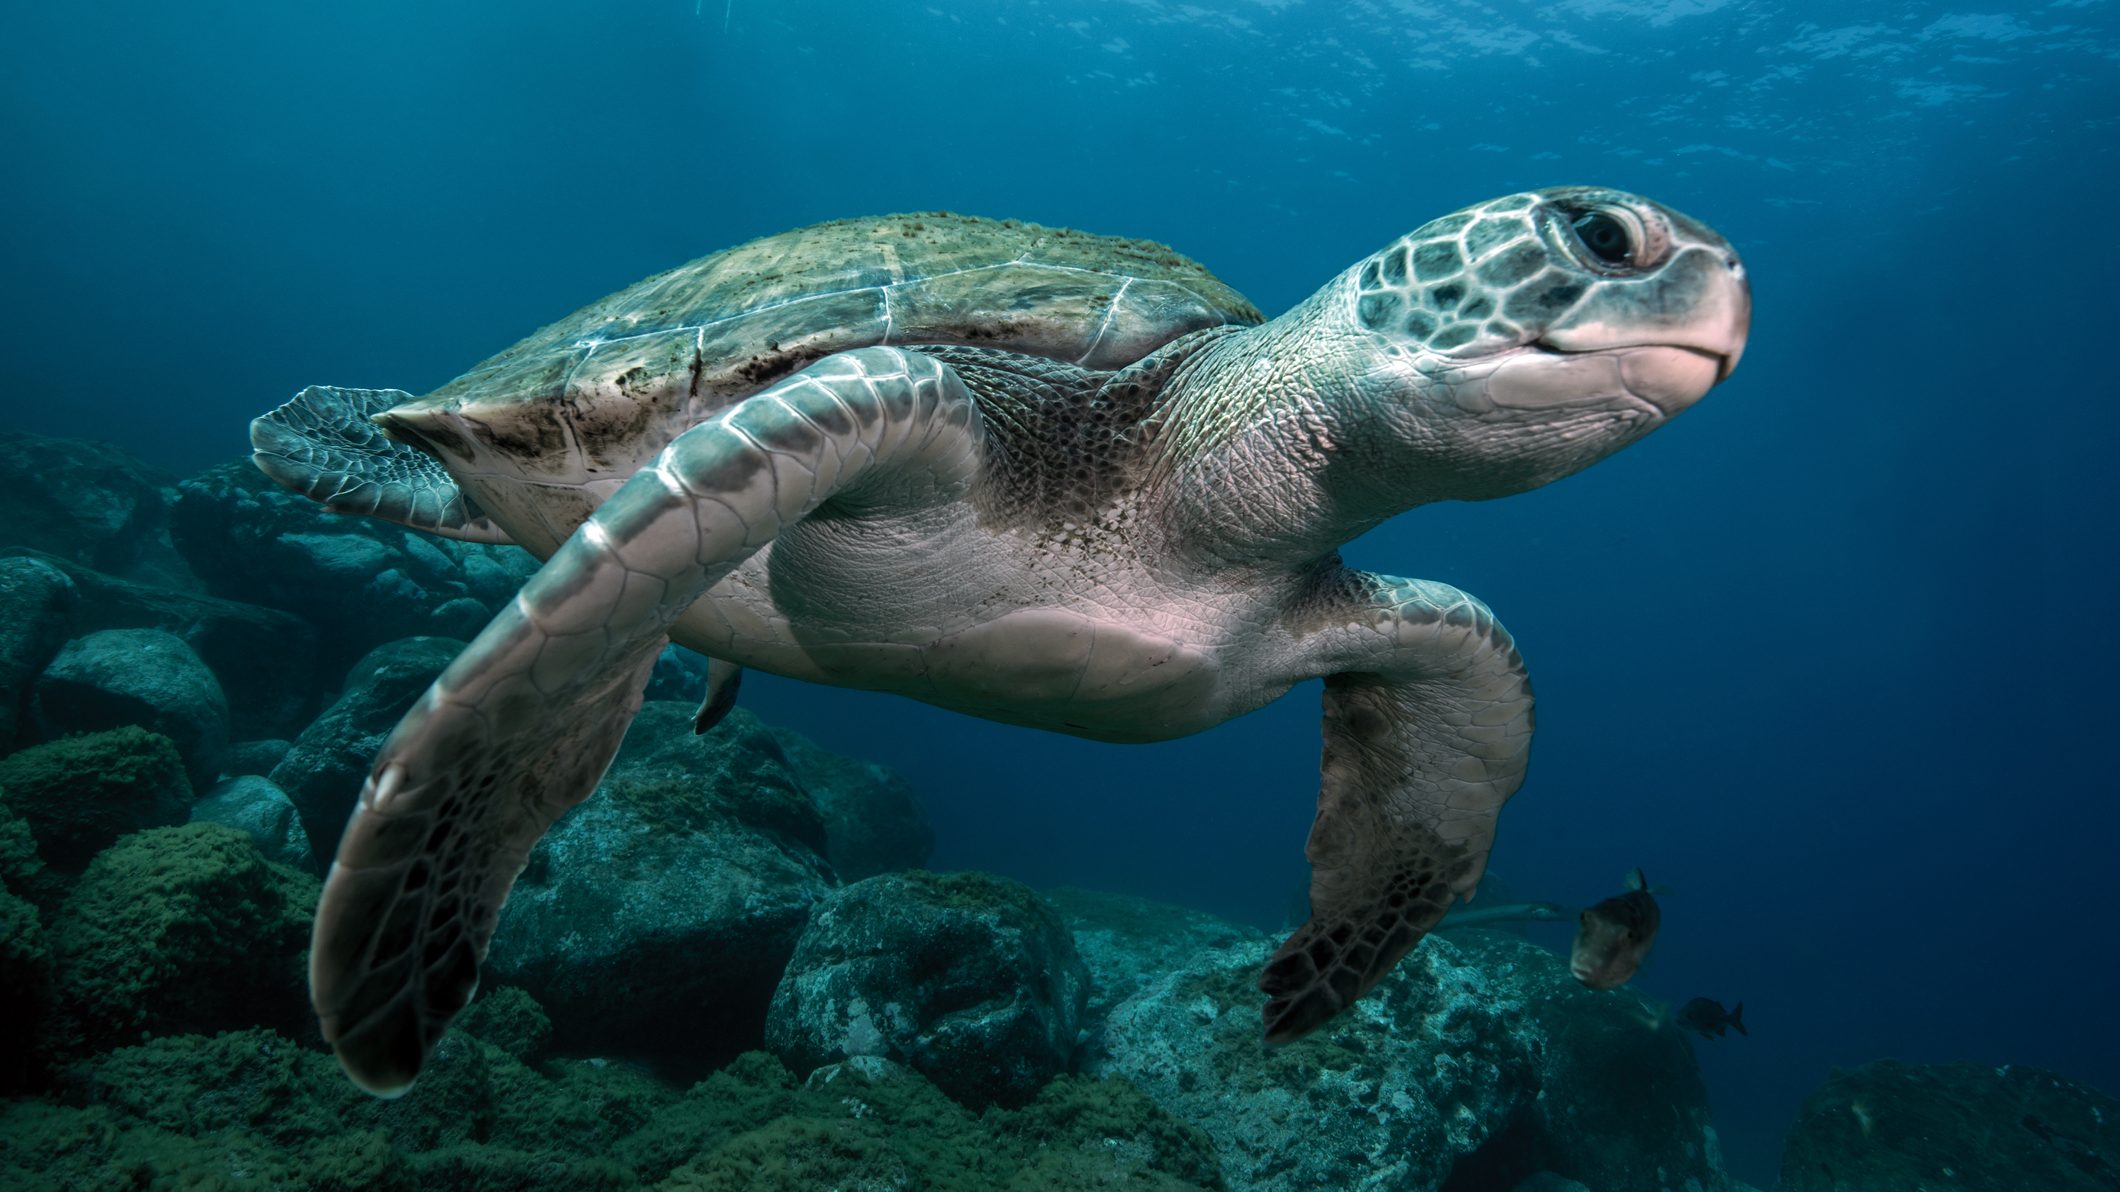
(1129, 554)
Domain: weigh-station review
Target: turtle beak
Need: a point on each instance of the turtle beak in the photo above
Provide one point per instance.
(1740, 324)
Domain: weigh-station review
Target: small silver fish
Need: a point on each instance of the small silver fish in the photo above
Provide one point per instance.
(1612, 937)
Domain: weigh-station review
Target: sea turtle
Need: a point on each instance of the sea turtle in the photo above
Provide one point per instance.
(1040, 476)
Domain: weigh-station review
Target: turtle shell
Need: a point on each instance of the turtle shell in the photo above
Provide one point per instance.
(596, 394)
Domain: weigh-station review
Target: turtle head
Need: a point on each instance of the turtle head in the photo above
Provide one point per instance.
(1525, 338)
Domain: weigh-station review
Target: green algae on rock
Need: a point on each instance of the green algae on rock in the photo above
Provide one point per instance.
(697, 861)
(253, 1110)
(1481, 1066)
(25, 988)
(1964, 1126)
(182, 929)
(79, 794)
(509, 1019)
(873, 1123)
(970, 979)
(147, 677)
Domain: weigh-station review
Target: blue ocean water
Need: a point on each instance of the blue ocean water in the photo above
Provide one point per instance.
(1829, 658)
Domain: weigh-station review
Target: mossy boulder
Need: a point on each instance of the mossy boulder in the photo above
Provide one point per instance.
(870, 1123)
(371, 581)
(264, 659)
(145, 677)
(322, 772)
(282, 1115)
(1130, 942)
(253, 1110)
(25, 989)
(1479, 1063)
(873, 823)
(90, 502)
(970, 980)
(25, 954)
(738, 772)
(182, 929)
(509, 1019)
(1396, 1091)
(262, 811)
(35, 600)
(21, 869)
(65, 1147)
(696, 863)
(1620, 1101)
(1959, 1126)
(79, 794)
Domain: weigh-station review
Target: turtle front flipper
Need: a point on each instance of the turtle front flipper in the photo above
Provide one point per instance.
(323, 445)
(523, 724)
(1427, 729)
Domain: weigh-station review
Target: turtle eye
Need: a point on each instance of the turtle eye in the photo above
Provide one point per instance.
(1607, 238)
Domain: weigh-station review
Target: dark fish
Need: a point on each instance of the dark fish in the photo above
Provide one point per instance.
(1704, 1016)
(1612, 937)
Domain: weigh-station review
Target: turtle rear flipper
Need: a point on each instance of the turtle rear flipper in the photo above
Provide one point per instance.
(323, 445)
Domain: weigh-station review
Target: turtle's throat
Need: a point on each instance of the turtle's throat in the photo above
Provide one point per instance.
(1249, 454)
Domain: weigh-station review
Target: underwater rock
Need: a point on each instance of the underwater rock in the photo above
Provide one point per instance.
(254, 757)
(265, 659)
(91, 502)
(869, 1123)
(143, 677)
(509, 1019)
(370, 581)
(35, 600)
(968, 979)
(25, 988)
(1473, 1066)
(740, 762)
(25, 953)
(1546, 1181)
(1963, 1126)
(253, 1109)
(873, 823)
(21, 869)
(654, 919)
(254, 806)
(1395, 1092)
(182, 929)
(322, 773)
(680, 675)
(1620, 1101)
(80, 794)
(1129, 942)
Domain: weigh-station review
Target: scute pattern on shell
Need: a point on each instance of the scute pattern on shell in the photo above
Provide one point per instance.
(617, 378)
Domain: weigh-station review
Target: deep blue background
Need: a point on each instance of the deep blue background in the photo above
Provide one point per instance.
(1829, 657)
